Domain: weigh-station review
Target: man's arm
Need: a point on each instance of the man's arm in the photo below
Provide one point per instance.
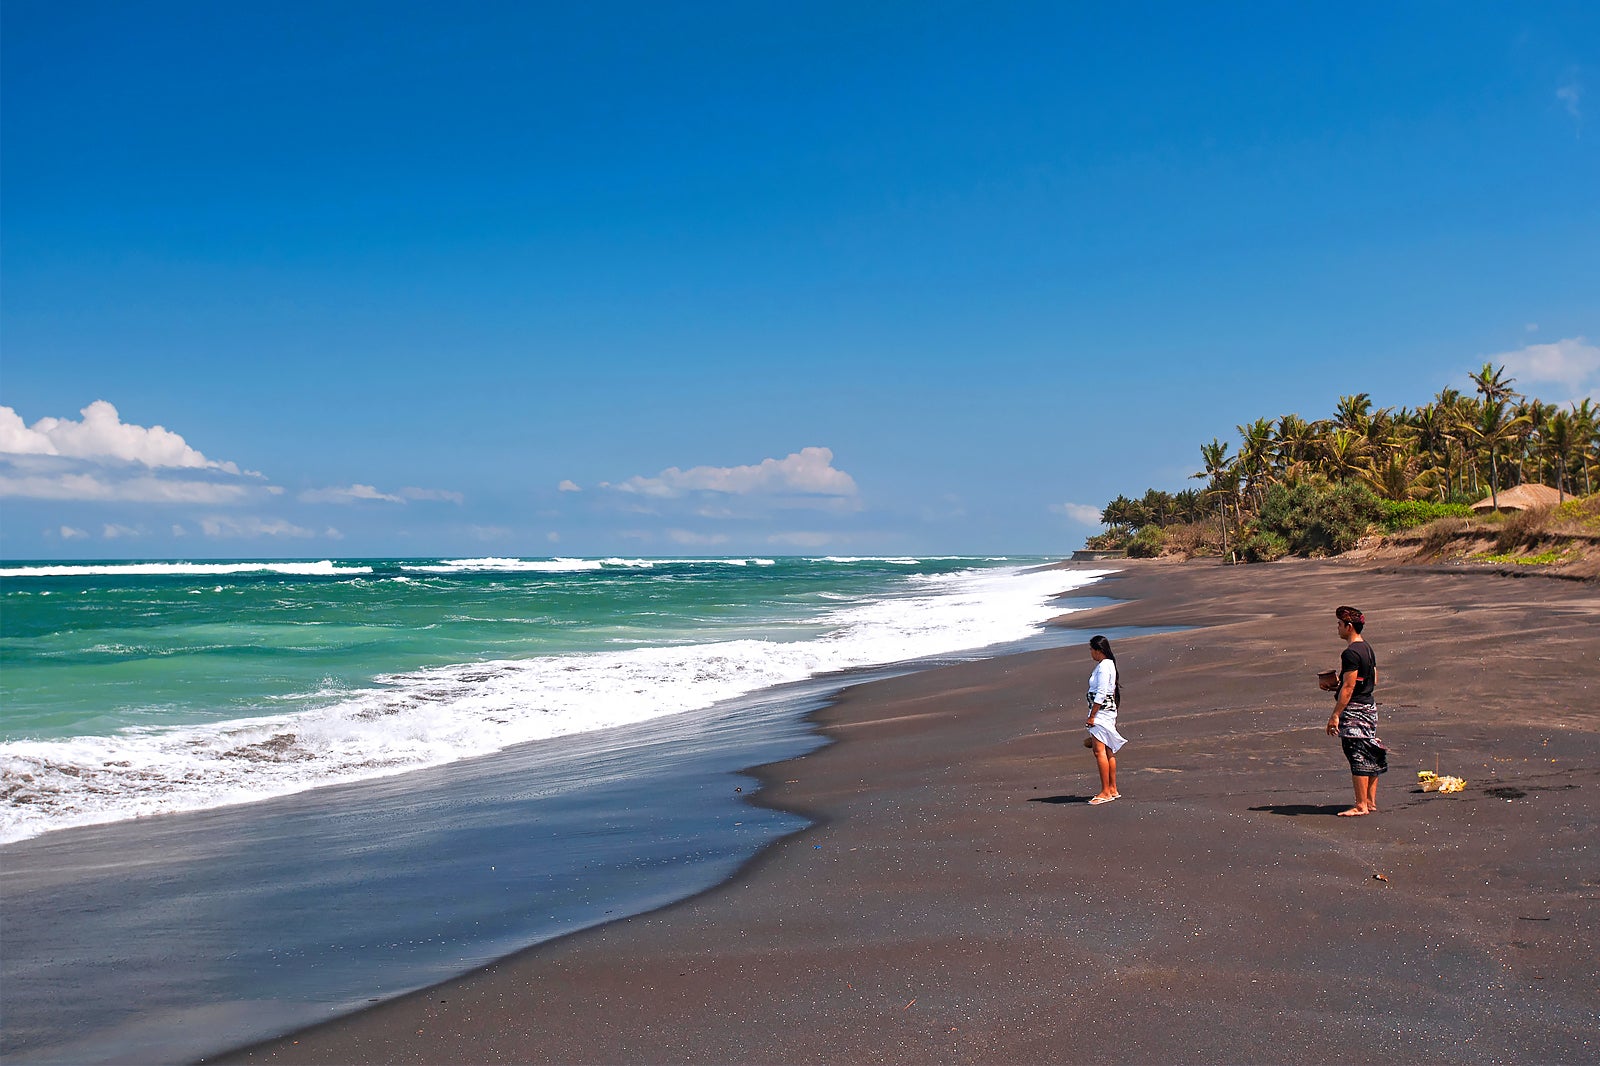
(1346, 690)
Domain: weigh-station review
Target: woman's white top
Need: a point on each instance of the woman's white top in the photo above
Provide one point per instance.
(1103, 682)
(1103, 705)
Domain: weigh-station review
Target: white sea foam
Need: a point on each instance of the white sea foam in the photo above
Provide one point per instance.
(568, 566)
(521, 566)
(431, 717)
(325, 567)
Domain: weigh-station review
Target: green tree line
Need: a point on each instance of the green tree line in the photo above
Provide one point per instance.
(1289, 484)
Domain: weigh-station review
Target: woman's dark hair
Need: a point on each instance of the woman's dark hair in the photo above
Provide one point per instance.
(1103, 646)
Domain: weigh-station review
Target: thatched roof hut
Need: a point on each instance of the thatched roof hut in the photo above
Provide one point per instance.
(1528, 497)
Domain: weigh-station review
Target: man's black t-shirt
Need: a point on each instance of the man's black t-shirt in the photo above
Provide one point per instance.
(1358, 656)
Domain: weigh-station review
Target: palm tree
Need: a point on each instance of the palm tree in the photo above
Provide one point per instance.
(1353, 412)
(1296, 446)
(1396, 479)
(1255, 457)
(1158, 506)
(1493, 384)
(1222, 474)
(1529, 444)
(1385, 433)
(1117, 513)
(1432, 434)
(1346, 456)
(1557, 437)
(1187, 506)
(1492, 428)
(1585, 426)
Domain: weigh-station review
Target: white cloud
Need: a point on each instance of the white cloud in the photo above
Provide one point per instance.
(251, 527)
(808, 472)
(1573, 364)
(553, 537)
(1082, 513)
(413, 493)
(568, 485)
(179, 531)
(102, 459)
(353, 494)
(112, 531)
(102, 436)
(145, 488)
(69, 533)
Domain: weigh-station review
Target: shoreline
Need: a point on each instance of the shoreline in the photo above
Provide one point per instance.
(956, 900)
(278, 895)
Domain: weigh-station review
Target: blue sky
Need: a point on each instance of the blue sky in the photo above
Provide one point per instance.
(652, 279)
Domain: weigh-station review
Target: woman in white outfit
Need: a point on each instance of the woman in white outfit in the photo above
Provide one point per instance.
(1103, 738)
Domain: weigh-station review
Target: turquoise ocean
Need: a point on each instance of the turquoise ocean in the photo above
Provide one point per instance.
(495, 750)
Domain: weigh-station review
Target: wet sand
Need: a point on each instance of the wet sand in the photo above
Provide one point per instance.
(959, 901)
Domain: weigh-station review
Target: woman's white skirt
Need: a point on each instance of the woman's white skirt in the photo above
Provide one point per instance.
(1105, 730)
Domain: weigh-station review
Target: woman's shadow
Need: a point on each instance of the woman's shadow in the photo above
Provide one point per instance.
(1059, 799)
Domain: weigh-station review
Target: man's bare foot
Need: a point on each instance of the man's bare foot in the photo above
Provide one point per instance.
(1354, 812)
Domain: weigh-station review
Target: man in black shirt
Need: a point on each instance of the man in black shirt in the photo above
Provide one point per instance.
(1355, 712)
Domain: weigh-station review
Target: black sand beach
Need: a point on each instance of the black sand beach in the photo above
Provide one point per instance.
(959, 901)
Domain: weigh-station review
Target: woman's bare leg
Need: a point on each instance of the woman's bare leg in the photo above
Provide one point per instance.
(1108, 771)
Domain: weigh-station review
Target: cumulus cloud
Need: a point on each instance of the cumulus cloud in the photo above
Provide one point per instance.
(808, 472)
(113, 531)
(568, 485)
(352, 494)
(251, 527)
(1572, 364)
(102, 459)
(70, 533)
(101, 487)
(359, 493)
(102, 436)
(1082, 513)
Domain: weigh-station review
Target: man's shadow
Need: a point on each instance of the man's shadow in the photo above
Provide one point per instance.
(1059, 799)
(1296, 809)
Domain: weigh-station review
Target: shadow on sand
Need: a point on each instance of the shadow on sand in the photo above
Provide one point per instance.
(1296, 809)
(1059, 799)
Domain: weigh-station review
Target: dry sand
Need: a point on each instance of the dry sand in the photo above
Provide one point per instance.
(958, 901)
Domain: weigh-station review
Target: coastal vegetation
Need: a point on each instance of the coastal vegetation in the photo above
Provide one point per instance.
(1289, 486)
